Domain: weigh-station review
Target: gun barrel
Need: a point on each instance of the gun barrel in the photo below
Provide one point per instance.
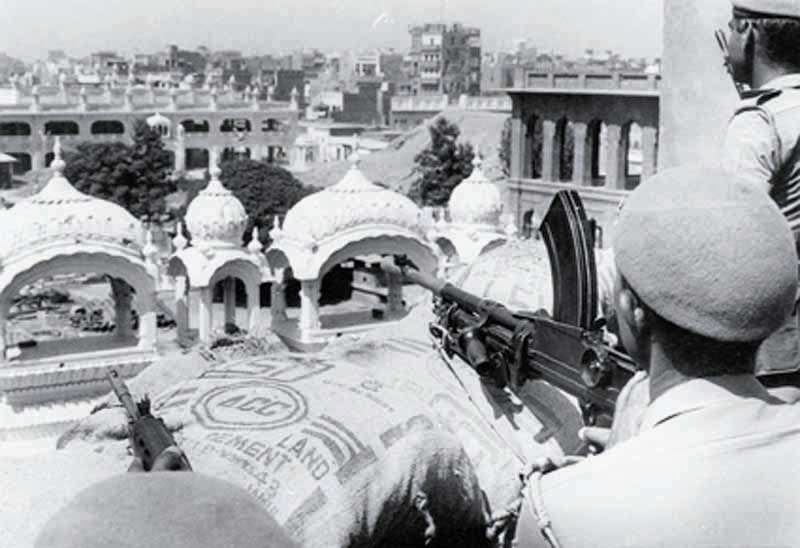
(123, 394)
(411, 274)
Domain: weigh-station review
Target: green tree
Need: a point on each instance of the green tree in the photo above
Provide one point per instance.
(137, 176)
(441, 166)
(265, 191)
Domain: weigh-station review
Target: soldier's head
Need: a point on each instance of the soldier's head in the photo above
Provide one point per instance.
(175, 509)
(707, 270)
(764, 34)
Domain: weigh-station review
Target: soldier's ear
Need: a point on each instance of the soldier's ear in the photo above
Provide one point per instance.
(631, 311)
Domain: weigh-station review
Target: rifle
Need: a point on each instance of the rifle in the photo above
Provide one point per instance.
(722, 42)
(504, 346)
(148, 435)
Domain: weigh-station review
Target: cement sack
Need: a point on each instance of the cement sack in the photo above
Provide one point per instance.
(335, 455)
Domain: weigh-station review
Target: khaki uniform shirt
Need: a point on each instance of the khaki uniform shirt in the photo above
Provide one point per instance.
(717, 463)
(760, 139)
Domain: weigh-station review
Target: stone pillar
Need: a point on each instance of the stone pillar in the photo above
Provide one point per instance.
(2, 339)
(213, 156)
(649, 150)
(253, 307)
(180, 157)
(582, 158)
(181, 308)
(123, 298)
(697, 95)
(204, 314)
(229, 299)
(309, 305)
(615, 158)
(549, 151)
(277, 307)
(517, 142)
(394, 298)
(148, 328)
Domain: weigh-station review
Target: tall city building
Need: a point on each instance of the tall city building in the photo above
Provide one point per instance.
(443, 60)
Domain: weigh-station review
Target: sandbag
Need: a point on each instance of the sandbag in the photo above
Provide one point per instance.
(336, 455)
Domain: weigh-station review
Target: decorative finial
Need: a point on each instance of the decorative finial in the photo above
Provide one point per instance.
(477, 162)
(215, 172)
(255, 243)
(150, 251)
(58, 164)
(276, 228)
(355, 159)
(179, 241)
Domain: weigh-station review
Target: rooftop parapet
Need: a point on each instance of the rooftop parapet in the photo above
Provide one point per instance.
(146, 98)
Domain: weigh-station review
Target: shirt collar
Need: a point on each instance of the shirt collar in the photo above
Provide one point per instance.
(700, 393)
(783, 82)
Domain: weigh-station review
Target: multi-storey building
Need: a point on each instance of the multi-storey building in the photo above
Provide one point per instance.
(443, 60)
(198, 127)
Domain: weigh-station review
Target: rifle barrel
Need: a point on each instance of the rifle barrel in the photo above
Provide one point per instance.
(123, 394)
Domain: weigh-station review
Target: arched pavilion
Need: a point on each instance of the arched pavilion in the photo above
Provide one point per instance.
(476, 219)
(353, 219)
(216, 221)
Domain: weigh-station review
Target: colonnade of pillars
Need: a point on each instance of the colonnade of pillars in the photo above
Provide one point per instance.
(586, 162)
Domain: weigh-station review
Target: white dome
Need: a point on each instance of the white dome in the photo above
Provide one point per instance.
(352, 202)
(216, 217)
(158, 120)
(476, 200)
(59, 211)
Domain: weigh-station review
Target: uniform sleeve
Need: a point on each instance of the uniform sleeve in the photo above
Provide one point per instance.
(750, 148)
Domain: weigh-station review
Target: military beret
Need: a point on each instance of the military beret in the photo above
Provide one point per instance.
(708, 252)
(760, 9)
(174, 509)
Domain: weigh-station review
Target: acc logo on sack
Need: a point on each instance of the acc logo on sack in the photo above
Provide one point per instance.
(254, 404)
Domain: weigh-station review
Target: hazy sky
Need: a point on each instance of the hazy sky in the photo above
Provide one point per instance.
(29, 28)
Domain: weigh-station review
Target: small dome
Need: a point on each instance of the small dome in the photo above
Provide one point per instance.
(476, 200)
(158, 120)
(216, 217)
(351, 202)
(61, 212)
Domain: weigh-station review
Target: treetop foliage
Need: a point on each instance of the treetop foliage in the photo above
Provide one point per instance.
(441, 166)
(137, 177)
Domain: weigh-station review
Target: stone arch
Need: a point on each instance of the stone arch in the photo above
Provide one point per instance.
(230, 125)
(633, 154)
(534, 136)
(116, 266)
(14, 129)
(24, 162)
(195, 126)
(62, 127)
(271, 124)
(565, 149)
(107, 127)
(197, 158)
(233, 153)
(596, 135)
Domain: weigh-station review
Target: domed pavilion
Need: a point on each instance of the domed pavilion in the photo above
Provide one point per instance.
(476, 219)
(216, 221)
(62, 234)
(354, 222)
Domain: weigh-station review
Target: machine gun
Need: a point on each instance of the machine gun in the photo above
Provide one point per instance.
(567, 350)
(148, 435)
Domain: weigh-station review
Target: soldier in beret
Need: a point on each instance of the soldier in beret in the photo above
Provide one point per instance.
(165, 510)
(706, 270)
(763, 139)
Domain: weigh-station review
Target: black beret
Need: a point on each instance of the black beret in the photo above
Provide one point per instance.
(708, 252)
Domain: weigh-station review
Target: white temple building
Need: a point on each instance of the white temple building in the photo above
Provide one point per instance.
(61, 231)
(216, 221)
(353, 219)
(475, 223)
